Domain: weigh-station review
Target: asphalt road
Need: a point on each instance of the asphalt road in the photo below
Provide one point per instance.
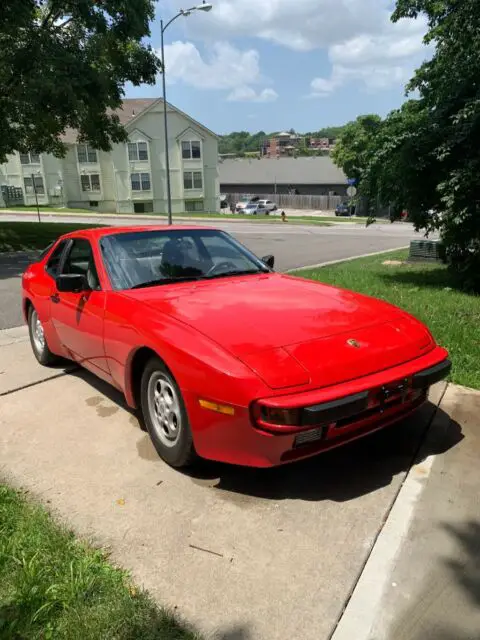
(293, 247)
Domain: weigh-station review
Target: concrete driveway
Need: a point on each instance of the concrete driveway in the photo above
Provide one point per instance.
(242, 553)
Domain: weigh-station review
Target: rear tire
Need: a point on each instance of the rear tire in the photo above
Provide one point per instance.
(38, 340)
(165, 416)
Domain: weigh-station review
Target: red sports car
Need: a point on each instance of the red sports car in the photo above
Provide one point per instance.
(225, 358)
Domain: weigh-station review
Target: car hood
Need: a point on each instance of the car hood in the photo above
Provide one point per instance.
(292, 331)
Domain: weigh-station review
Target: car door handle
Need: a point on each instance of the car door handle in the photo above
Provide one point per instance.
(55, 298)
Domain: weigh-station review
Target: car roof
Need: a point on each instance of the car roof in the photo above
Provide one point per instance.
(100, 232)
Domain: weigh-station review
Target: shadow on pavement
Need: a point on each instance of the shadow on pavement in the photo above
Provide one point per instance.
(14, 264)
(442, 616)
(340, 475)
(236, 633)
(467, 573)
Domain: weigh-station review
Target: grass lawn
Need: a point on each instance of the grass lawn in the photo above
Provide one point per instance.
(54, 586)
(426, 291)
(28, 236)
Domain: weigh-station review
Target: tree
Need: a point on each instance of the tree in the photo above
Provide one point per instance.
(64, 63)
(449, 88)
(241, 142)
(425, 157)
(328, 132)
(354, 146)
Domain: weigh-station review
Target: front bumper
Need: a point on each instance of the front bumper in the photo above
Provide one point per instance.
(331, 417)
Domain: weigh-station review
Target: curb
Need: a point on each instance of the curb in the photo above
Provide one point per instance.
(333, 262)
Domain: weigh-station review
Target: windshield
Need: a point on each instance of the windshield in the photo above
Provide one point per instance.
(151, 258)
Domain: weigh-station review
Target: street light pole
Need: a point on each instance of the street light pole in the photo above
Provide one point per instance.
(165, 130)
(36, 197)
(183, 12)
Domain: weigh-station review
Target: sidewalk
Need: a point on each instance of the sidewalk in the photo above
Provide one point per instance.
(422, 580)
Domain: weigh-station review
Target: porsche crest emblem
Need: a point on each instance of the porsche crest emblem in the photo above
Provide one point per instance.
(353, 343)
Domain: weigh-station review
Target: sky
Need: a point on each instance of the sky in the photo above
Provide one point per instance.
(276, 64)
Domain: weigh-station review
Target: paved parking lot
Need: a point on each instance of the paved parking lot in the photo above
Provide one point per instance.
(260, 554)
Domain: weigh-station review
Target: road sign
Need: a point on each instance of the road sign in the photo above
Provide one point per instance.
(352, 181)
(351, 191)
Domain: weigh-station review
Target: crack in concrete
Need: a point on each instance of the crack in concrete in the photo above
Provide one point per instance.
(36, 383)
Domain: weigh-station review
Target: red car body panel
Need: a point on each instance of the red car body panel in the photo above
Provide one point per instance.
(284, 341)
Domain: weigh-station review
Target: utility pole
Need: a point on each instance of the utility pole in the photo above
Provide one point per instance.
(36, 197)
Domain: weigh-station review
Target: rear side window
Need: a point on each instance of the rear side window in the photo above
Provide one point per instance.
(54, 260)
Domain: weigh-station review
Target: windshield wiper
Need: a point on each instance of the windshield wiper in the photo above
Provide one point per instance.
(226, 274)
(161, 281)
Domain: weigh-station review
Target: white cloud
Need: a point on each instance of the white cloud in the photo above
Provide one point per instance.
(362, 43)
(298, 24)
(376, 60)
(247, 94)
(224, 67)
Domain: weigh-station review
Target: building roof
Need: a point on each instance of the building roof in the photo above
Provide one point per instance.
(130, 110)
(320, 170)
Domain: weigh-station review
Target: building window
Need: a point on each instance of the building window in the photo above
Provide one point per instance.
(85, 154)
(29, 158)
(192, 180)
(194, 206)
(141, 182)
(137, 151)
(143, 207)
(191, 149)
(39, 187)
(90, 182)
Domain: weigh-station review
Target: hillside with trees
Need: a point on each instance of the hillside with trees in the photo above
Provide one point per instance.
(242, 142)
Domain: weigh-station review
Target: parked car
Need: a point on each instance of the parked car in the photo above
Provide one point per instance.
(244, 201)
(224, 358)
(343, 209)
(256, 208)
(269, 205)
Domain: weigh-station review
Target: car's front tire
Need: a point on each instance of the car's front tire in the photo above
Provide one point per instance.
(165, 415)
(38, 340)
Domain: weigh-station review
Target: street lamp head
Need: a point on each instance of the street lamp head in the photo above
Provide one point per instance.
(205, 6)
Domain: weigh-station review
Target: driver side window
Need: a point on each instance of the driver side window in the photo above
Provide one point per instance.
(80, 261)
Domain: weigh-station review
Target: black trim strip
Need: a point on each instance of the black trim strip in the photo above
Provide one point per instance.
(335, 410)
(428, 377)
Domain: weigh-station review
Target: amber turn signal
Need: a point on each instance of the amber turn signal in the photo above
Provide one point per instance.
(219, 408)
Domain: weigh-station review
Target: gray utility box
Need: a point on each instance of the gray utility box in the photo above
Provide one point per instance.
(426, 251)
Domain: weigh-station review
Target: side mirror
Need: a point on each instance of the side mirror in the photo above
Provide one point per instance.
(71, 283)
(269, 261)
